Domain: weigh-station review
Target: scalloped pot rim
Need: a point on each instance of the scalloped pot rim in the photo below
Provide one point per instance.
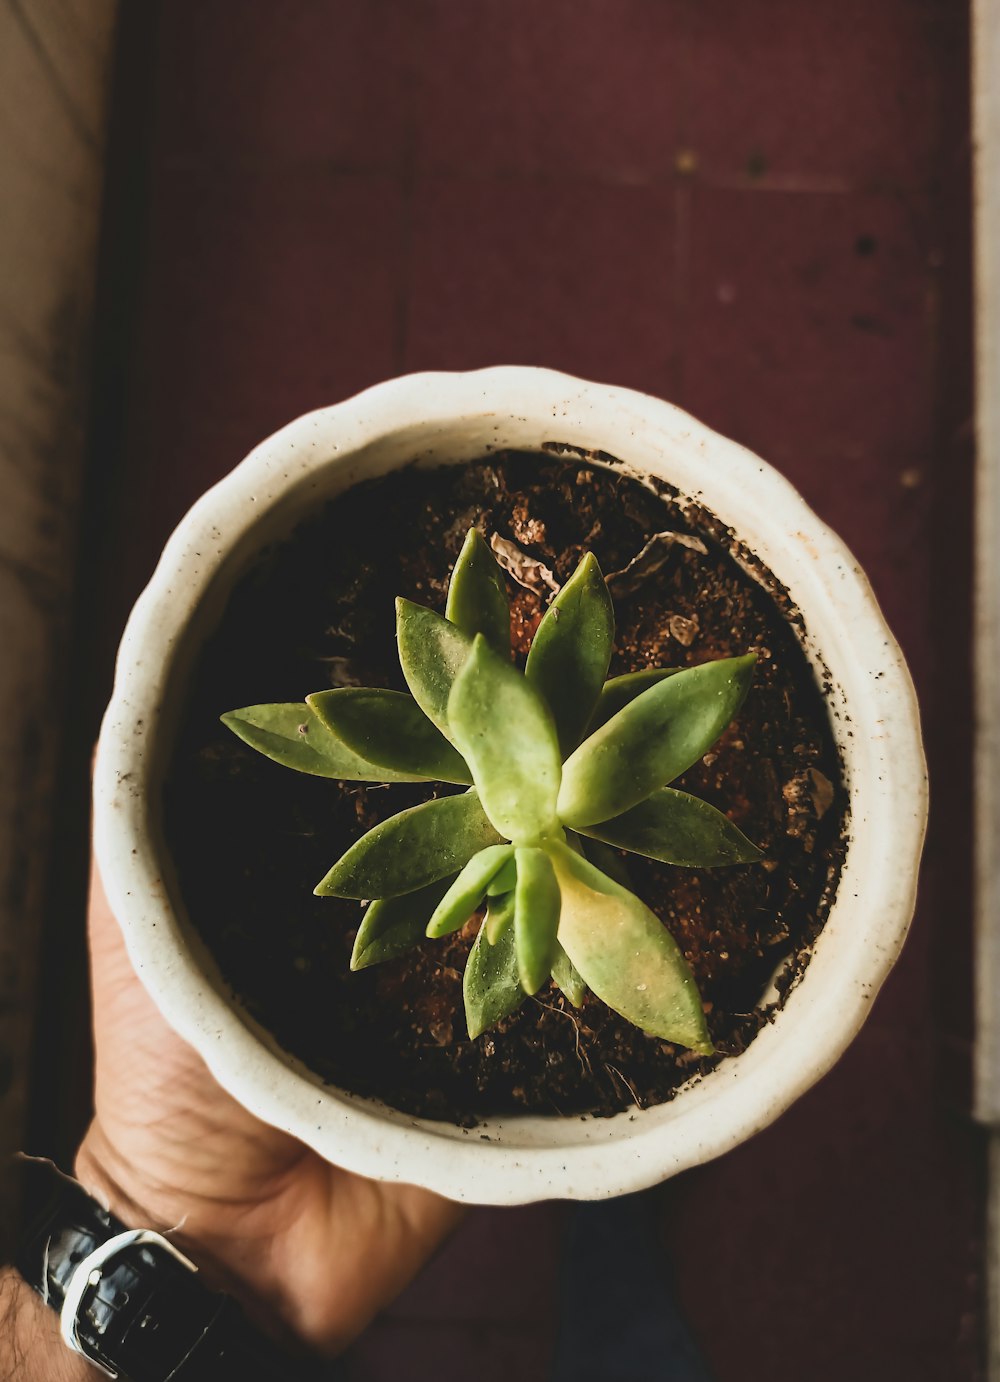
(445, 418)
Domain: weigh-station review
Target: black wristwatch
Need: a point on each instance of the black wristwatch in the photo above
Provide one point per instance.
(129, 1301)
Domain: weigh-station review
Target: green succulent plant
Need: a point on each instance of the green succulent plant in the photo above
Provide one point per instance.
(558, 764)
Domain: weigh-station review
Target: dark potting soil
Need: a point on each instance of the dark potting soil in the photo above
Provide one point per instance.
(251, 839)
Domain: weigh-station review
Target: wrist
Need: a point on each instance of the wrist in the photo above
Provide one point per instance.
(188, 1220)
(136, 1199)
(30, 1347)
(125, 1295)
(113, 1183)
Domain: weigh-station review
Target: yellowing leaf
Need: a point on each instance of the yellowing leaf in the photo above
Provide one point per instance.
(625, 954)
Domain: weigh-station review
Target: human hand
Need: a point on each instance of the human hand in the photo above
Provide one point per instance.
(314, 1249)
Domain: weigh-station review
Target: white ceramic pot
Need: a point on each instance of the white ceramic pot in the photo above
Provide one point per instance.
(454, 417)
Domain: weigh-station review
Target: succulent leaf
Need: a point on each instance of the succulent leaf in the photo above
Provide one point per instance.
(571, 650)
(477, 595)
(677, 829)
(619, 692)
(499, 916)
(431, 651)
(389, 728)
(558, 902)
(504, 731)
(608, 860)
(652, 740)
(625, 954)
(504, 880)
(567, 978)
(393, 925)
(491, 987)
(411, 849)
(292, 734)
(536, 916)
(468, 890)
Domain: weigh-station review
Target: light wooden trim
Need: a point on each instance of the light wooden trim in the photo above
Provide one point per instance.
(55, 58)
(986, 125)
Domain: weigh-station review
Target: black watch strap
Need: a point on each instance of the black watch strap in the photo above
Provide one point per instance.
(129, 1301)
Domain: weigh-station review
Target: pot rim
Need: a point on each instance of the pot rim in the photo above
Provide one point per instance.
(519, 1159)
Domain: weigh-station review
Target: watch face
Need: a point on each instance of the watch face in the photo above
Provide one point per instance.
(142, 1312)
(128, 1300)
